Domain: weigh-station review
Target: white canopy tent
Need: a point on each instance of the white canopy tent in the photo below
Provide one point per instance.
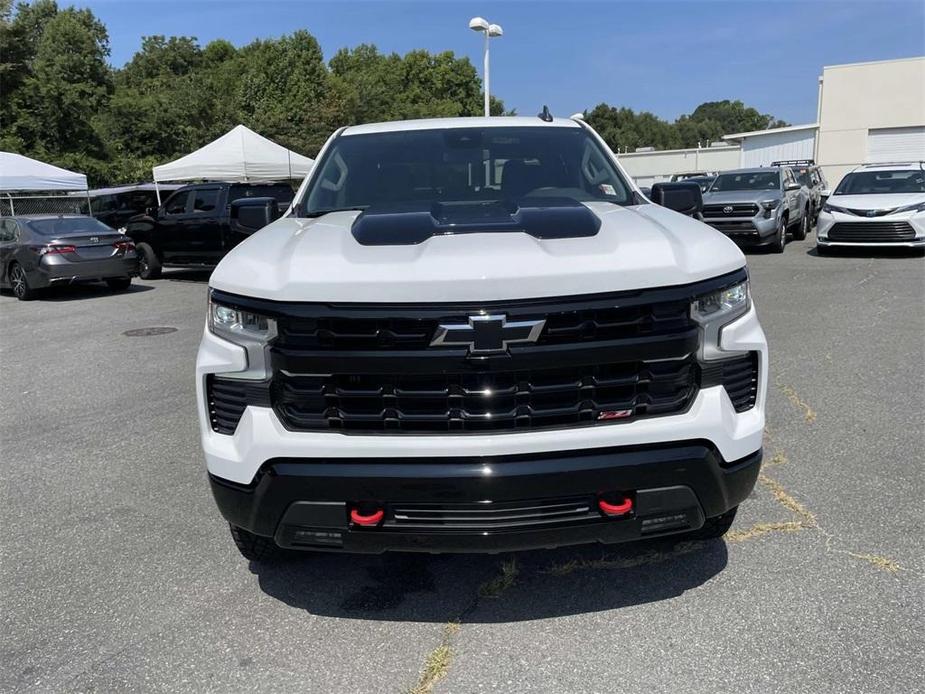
(24, 174)
(240, 155)
(19, 174)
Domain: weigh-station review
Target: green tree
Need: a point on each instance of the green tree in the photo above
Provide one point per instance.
(67, 86)
(734, 117)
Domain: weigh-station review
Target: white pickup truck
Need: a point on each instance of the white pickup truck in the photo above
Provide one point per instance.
(476, 335)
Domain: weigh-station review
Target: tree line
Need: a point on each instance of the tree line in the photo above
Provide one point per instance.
(61, 101)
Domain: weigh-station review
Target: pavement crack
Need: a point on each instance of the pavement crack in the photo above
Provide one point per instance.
(493, 588)
(809, 415)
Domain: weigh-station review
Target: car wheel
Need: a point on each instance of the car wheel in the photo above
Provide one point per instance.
(19, 283)
(713, 527)
(149, 267)
(119, 284)
(253, 547)
(781, 239)
(803, 229)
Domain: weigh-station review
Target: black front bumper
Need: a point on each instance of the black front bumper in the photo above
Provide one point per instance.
(305, 503)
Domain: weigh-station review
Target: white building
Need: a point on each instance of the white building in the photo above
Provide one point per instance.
(867, 112)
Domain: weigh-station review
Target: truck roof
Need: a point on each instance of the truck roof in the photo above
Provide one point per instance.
(468, 122)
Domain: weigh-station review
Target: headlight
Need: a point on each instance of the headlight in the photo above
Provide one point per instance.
(715, 310)
(251, 331)
(834, 208)
(915, 207)
(769, 205)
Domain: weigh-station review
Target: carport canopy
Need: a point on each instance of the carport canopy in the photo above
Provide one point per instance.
(19, 173)
(240, 155)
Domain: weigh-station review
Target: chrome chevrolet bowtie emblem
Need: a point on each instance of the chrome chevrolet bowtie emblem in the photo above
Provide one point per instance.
(485, 334)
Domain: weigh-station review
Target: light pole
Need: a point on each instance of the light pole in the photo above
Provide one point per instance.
(491, 31)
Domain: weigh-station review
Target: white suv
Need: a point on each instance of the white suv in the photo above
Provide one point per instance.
(875, 205)
(475, 334)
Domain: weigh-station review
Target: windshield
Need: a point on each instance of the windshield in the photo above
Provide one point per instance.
(65, 226)
(879, 182)
(753, 180)
(463, 165)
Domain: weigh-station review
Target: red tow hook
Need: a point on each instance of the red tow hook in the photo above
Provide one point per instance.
(620, 508)
(366, 520)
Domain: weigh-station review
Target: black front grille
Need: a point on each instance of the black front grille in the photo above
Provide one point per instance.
(876, 232)
(737, 227)
(491, 401)
(491, 516)
(739, 209)
(575, 325)
(739, 376)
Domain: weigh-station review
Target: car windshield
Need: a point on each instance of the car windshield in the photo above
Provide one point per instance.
(463, 165)
(751, 180)
(879, 182)
(65, 226)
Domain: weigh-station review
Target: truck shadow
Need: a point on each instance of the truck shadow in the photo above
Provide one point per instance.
(484, 588)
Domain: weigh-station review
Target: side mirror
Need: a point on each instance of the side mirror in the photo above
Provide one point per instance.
(252, 214)
(824, 194)
(681, 196)
(792, 186)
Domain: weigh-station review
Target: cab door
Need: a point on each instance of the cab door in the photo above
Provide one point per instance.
(167, 233)
(202, 227)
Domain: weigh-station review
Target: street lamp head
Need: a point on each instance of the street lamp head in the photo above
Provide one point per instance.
(479, 24)
(495, 30)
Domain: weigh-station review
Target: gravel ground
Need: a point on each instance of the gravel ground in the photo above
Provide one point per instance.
(117, 573)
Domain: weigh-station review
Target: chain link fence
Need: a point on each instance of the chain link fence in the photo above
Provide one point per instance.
(11, 205)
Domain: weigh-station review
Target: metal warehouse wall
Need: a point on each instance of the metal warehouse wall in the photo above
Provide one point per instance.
(651, 167)
(761, 150)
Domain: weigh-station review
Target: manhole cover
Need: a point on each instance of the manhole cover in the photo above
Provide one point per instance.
(145, 332)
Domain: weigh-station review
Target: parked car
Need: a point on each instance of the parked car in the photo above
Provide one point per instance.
(197, 224)
(703, 181)
(810, 175)
(758, 206)
(879, 205)
(38, 251)
(475, 334)
(690, 174)
(116, 206)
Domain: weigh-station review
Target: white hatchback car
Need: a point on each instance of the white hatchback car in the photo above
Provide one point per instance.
(880, 205)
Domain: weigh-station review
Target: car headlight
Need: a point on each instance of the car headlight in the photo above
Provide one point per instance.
(834, 208)
(914, 207)
(769, 205)
(714, 310)
(249, 330)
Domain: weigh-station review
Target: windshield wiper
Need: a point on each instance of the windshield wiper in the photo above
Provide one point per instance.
(321, 213)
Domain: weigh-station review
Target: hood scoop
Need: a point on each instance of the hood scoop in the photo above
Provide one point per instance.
(409, 224)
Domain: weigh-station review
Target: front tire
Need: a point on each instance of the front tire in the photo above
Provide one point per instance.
(803, 229)
(149, 267)
(19, 283)
(715, 527)
(119, 284)
(253, 547)
(780, 241)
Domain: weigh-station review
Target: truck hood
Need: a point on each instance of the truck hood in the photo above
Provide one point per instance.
(740, 196)
(319, 260)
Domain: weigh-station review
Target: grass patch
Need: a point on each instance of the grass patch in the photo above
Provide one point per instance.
(787, 501)
(496, 586)
(763, 529)
(879, 561)
(437, 663)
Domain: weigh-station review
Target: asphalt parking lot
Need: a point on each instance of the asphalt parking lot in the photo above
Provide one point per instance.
(118, 574)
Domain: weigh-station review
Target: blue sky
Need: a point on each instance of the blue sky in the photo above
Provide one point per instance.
(664, 57)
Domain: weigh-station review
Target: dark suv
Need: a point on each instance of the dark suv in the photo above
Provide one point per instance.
(198, 224)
